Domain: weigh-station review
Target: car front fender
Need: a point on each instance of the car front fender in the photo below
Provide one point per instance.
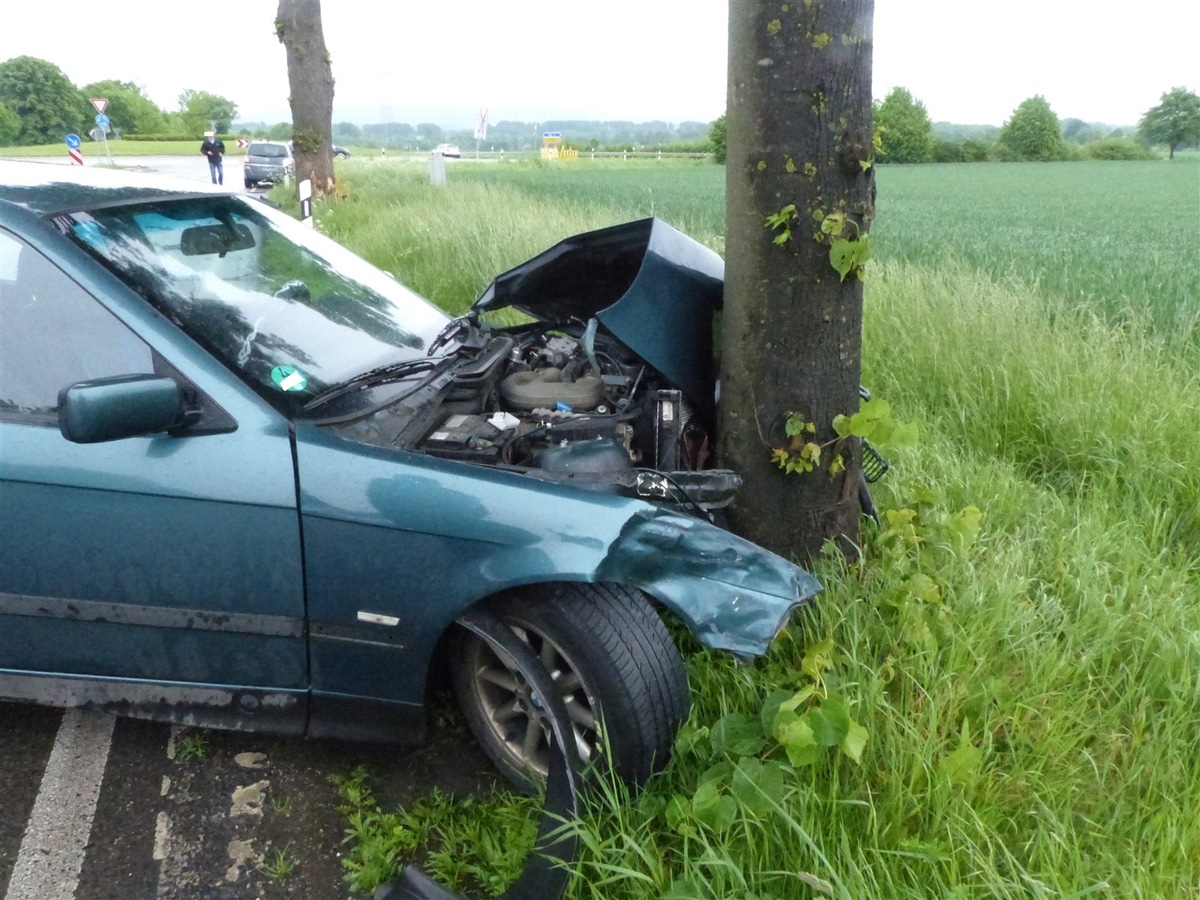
(733, 594)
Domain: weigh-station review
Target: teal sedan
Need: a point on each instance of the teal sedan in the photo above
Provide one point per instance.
(247, 480)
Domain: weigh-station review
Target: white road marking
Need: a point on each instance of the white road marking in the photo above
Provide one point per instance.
(55, 842)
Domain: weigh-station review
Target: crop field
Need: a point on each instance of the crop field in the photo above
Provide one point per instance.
(1004, 696)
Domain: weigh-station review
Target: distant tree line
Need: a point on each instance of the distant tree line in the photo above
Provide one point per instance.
(1032, 132)
(40, 105)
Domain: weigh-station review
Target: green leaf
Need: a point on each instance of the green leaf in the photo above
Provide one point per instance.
(678, 810)
(651, 806)
(830, 722)
(855, 742)
(690, 737)
(964, 527)
(841, 257)
(846, 256)
(770, 709)
(758, 786)
(794, 425)
(738, 734)
(922, 587)
(799, 698)
(717, 772)
(963, 764)
(797, 739)
(834, 223)
(712, 808)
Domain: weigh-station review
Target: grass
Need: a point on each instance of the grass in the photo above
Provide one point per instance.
(478, 845)
(279, 864)
(193, 745)
(1029, 686)
(116, 148)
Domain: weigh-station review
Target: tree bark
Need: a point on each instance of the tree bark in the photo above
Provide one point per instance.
(310, 79)
(799, 134)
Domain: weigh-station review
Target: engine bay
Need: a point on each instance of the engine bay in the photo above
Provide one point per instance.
(567, 403)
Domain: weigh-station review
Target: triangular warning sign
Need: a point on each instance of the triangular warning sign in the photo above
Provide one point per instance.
(100, 103)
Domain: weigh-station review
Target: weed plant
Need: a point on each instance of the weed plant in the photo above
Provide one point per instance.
(1020, 645)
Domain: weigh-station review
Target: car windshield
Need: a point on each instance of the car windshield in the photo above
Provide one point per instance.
(277, 150)
(290, 311)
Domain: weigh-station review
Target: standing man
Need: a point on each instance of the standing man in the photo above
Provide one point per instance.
(214, 149)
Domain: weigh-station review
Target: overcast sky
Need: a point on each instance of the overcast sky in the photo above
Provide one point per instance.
(968, 61)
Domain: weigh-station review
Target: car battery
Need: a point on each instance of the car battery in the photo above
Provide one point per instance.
(466, 437)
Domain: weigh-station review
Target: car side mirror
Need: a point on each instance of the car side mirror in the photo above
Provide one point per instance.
(109, 409)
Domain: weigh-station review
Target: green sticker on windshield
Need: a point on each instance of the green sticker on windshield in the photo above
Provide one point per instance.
(287, 378)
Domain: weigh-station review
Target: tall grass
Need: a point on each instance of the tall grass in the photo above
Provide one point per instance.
(1070, 656)
(1119, 240)
(1033, 717)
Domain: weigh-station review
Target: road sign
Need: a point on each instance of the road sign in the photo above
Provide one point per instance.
(76, 156)
(102, 120)
(73, 141)
(481, 126)
(100, 103)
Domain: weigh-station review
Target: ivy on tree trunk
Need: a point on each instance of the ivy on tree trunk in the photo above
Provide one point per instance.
(800, 197)
(310, 79)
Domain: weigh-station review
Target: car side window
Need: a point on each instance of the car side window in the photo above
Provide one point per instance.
(53, 333)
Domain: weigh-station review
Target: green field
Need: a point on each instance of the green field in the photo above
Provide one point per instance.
(1028, 681)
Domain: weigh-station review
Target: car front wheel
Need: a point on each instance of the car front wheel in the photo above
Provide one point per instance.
(619, 676)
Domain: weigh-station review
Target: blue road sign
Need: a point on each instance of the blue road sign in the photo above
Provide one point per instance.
(73, 141)
(102, 120)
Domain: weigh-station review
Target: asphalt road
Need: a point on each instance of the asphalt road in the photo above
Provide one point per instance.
(98, 808)
(94, 807)
(192, 168)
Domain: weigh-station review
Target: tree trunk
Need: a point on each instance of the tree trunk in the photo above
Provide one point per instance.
(799, 135)
(310, 78)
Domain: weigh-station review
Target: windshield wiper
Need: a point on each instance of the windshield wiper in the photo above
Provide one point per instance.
(380, 375)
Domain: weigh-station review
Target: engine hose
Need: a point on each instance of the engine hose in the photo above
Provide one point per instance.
(589, 344)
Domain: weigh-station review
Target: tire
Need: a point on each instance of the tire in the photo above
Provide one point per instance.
(249, 183)
(612, 660)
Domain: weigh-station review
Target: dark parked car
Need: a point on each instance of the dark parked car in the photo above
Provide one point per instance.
(248, 480)
(267, 162)
(340, 151)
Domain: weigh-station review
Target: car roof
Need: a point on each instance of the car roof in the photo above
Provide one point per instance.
(47, 188)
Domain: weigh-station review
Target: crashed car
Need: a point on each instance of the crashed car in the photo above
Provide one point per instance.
(247, 480)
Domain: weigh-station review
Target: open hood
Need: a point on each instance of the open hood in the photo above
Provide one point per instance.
(651, 286)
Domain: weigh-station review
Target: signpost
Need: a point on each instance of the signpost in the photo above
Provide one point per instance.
(480, 130)
(73, 144)
(102, 122)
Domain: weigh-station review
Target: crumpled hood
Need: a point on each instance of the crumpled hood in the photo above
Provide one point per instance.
(653, 287)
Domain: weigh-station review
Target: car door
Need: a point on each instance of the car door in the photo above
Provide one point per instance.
(158, 575)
